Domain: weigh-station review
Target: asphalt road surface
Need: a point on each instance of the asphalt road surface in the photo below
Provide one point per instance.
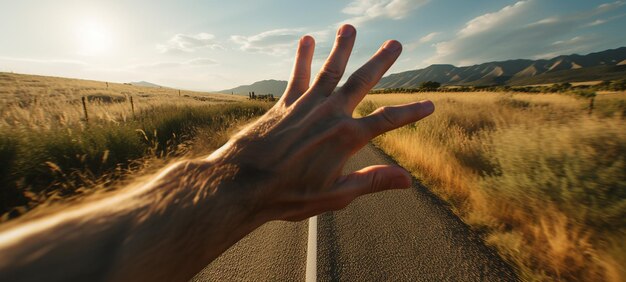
(399, 235)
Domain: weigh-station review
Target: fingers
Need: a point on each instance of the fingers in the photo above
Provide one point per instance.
(335, 65)
(366, 77)
(371, 179)
(299, 82)
(391, 117)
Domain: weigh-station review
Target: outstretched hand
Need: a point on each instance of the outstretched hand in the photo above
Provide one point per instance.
(287, 166)
(290, 160)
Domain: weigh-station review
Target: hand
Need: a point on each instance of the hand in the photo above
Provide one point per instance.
(289, 162)
(287, 165)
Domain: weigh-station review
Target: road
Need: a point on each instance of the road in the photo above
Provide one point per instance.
(399, 235)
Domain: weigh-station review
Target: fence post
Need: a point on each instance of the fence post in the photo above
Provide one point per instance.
(132, 107)
(178, 92)
(85, 109)
(591, 105)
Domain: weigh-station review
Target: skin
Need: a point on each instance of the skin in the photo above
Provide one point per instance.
(285, 166)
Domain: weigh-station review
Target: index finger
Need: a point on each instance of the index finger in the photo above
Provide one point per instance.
(362, 80)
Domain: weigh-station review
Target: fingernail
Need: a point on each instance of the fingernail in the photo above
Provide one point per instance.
(346, 31)
(306, 40)
(392, 46)
(428, 105)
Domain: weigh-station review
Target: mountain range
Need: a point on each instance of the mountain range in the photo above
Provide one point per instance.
(605, 65)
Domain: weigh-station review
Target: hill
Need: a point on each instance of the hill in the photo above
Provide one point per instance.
(145, 84)
(605, 65)
(24, 88)
(271, 86)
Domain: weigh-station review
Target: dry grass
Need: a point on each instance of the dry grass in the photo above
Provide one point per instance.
(50, 152)
(540, 177)
(41, 101)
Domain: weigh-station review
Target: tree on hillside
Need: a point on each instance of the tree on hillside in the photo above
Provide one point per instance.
(565, 85)
(430, 85)
(618, 85)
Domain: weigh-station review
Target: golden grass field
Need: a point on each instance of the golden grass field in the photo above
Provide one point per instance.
(538, 175)
(42, 101)
(50, 152)
(542, 179)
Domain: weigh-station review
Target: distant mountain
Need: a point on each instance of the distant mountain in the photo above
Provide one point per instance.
(145, 84)
(276, 87)
(605, 65)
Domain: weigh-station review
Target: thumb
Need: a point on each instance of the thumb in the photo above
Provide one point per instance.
(375, 179)
(365, 181)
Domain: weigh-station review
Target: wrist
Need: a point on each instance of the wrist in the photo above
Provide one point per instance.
(242, 177)
(192, 209)
(209, 187)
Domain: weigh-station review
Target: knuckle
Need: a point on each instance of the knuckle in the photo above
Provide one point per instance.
(385, 114)
(376, 182)
(330, 75)
(360, 79)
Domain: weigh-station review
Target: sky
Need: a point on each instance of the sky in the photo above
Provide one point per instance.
(214, 45)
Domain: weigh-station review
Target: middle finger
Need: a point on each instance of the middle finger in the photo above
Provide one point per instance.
(335, 65)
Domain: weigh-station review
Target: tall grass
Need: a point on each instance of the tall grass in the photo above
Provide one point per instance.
(543, 180)
(49, 151)
(60, 161)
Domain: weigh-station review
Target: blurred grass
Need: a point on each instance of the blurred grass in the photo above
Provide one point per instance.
(60, 161)
(49, 152)
(543, 179)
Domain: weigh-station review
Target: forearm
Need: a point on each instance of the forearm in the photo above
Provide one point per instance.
(168, 228)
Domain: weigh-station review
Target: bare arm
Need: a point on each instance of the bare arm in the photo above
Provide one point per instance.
(285, 166)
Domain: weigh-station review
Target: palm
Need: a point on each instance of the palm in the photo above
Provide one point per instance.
(301, 145)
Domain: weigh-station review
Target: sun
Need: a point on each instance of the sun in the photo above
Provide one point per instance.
(94, 39)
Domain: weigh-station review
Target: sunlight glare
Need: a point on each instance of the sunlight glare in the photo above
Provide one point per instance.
(93, 39)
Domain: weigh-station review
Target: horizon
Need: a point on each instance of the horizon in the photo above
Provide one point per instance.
(207, 51)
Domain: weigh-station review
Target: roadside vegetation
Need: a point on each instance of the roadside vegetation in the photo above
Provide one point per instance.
(541, 176)
(54, 147)
(433, 86)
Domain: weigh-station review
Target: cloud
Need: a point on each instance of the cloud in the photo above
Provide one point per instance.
(609, 6)
(422, 40)
(490, 21)
(572, 41)
(272, 42)
(596, 22)
(604, 20)
(201, 62)
(197, 62)
(428, 37)
(514, 30)
(189, 43)
(363, 11)
(566, 46)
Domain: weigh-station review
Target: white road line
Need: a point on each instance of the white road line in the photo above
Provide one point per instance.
(311, 251)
